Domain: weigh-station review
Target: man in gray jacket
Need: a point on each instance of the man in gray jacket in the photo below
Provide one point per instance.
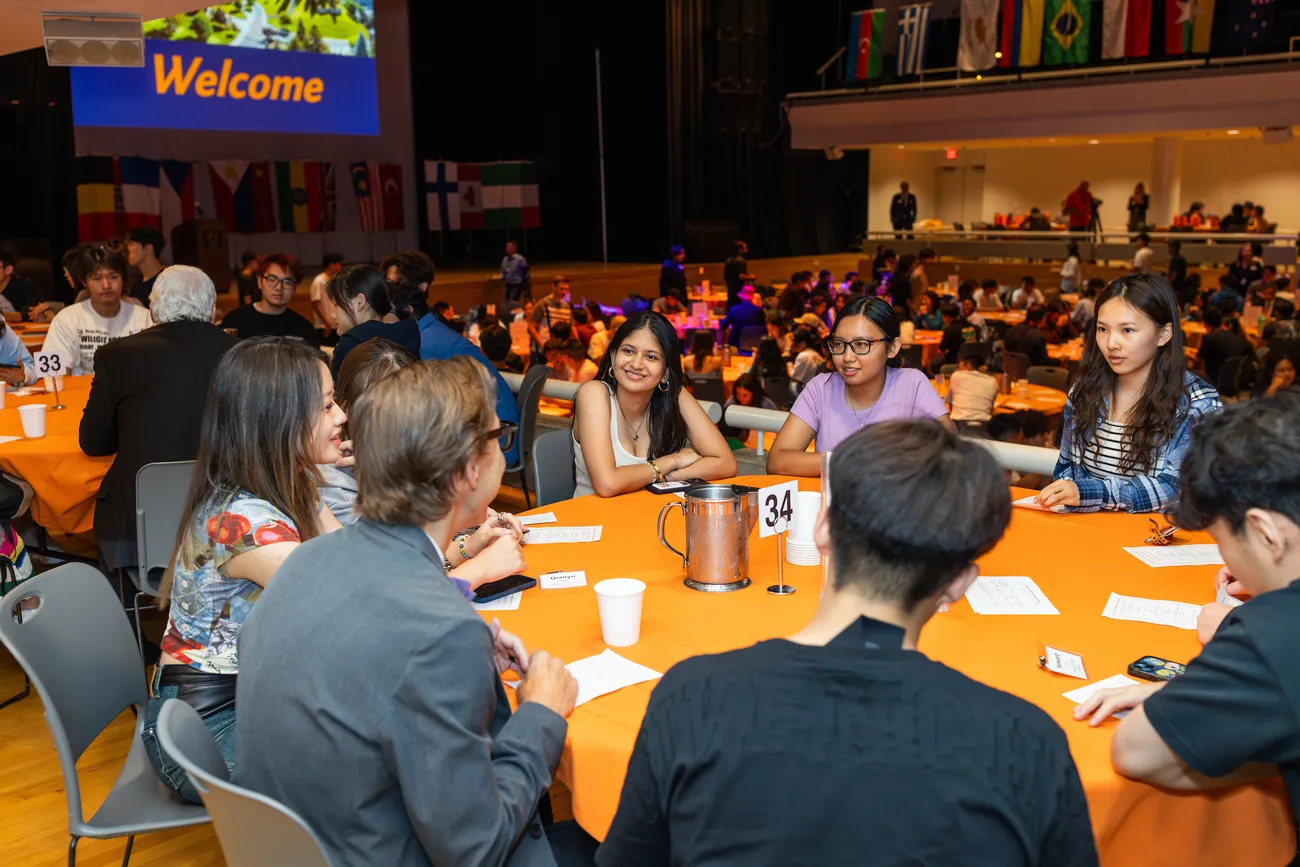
(369, 697)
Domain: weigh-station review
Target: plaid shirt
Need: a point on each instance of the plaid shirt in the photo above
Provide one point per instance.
(1152, 492)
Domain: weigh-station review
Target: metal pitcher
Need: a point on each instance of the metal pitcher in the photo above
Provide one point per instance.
(719, 519)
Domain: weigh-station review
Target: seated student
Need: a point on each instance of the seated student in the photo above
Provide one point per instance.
(582, 327)
(359, 296)
(1227, 297)
(147, 400)
(568, 360)
(1129, 414)
(749, 313)
(1036, 430)
(1240, 477)
(79, 330)
(635, 424)
(364, 744)
(957, 332)
(409, 276)
(1219, 344)
(748, 391)
(780, 329)
(668, 305)
(1070, 271)
(16, 364)
(967, 308)
(702, 361)
(1027, 294)
(988, 296)
(496, 345)
(867, 386)
(1058, 327)
(252, 501)
(971, 391)
(17, 293)
(1081, 315)
(1281, 378)
(1029, 338)
(808, 359)
(490, 553)
(600, 340)
(928, 317)
(847, 712)
(1005, 428)
(278, 277)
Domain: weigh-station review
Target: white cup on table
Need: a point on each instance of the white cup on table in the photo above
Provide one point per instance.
(52, 382)
(33, 418)
(619, 601)
(807, 507)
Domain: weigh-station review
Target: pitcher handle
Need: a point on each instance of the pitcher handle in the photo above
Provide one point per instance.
(663, 517)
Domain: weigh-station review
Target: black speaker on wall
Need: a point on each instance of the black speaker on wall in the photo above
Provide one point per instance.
(739, 65)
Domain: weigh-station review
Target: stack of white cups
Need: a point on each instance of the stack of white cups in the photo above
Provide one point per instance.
(800, 549)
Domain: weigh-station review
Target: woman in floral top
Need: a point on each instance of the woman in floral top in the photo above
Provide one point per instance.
(270, 419)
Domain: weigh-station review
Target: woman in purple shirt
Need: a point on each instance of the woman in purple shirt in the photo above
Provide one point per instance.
(867, 386)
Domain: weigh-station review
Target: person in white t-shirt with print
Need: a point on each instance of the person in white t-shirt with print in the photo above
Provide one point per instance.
(79, 330)
(324, 315)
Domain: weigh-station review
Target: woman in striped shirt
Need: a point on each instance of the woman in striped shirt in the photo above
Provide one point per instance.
(1130, 413)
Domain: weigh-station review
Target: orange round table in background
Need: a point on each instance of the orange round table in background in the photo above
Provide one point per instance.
(64, 478)
(1077, 560)
(1047, 400)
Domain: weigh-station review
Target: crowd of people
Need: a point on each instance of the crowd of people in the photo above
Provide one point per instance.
(392, 451)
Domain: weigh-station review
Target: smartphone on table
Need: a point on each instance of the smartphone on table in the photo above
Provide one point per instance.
(1156, 668)
(504, 587)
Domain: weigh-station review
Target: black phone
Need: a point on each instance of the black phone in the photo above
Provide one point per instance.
(1156, 668)
(667, 487)
(504, 587)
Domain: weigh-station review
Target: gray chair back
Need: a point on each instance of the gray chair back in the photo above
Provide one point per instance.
(1016, 365)
(161, 491)
(1052, 377)
(750, 335)
(79, 613)
(708, 388)
(553, 471)
(530, 394)
(913, 357)
(948, 369)
(254, 830)
(1231, 377)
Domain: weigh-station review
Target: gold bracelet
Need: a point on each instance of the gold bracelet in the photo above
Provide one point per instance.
(659, 477)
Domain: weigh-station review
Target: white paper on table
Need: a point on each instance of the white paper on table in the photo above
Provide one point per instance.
(1015, 404)
(505, 603)
(1223, 597)
(9, 439)
(1064, 662)
(553, 535)
(544, 518)
(1032, 504)
(606, 673)
(1017, 595)
(1178, 555)
(1080, 695)
(1161, 612)
(563, 580)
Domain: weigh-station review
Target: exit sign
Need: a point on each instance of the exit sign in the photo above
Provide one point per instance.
(950, 153)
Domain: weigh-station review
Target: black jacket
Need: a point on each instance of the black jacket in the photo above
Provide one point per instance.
(145, 405)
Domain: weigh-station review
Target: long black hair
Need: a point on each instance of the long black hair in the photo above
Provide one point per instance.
(768, 359)
(363, 280)
(880, 312)
(1155, 415)
(667, 428)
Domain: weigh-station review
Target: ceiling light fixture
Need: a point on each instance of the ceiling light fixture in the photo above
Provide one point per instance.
(1233, 131)
(1094, 141)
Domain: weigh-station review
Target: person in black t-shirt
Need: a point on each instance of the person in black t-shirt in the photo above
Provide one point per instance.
(247, 279)
(143, 247)
(957, 332)
(277, 279)
(1219, 344)
(1029, 338)
(735, 272)
(843, 744)
(1234, 716)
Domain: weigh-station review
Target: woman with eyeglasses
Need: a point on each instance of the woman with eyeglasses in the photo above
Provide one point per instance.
(868, 385)
(278, 277)
(635, 425)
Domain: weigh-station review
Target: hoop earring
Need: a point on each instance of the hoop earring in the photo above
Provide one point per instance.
(609, 374)
(663, 385)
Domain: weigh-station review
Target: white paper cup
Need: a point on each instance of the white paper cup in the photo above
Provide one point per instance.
(806, 509)
(33, 419)
(3, 389)
(619, 600)
(51, 382)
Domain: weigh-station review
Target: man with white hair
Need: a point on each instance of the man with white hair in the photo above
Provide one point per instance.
(147, 399)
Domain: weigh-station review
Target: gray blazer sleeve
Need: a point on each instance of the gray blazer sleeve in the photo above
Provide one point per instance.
(469, 796)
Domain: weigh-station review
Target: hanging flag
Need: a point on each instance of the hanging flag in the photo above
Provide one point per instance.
(97, 197)
(979, 38)
(913, 30)
(442, 195)
(365, 177)
(866, 45)
(227, 176)
(329, 212)
(1250, 23)
(1065, 39)
(298, 186)
(1187, 26)
(469, 176)
(510, 196)
(1126, 28)
(1022, 33)
(139, 179)
(257, 206)
(175, 195)
(394, 210)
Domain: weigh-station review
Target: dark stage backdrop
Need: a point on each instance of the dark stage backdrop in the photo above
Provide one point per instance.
(696, 144)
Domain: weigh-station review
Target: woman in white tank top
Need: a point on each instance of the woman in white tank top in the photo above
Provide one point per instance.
(634, 424)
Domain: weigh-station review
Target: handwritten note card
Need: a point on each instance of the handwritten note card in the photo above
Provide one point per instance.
(556, 535)
(1161, 612)
(544, 518)
(1080, 695)
(1178, 555)
(1018, 595)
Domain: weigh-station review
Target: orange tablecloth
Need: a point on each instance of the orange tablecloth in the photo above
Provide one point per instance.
(1135, 824)
(32, 334)
(1049, 401)
(64, 478)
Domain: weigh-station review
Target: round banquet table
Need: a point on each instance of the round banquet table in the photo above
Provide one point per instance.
(1135, 824)
(1049, 401)
(64, 478)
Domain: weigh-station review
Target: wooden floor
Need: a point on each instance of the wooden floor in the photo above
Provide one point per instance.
(33, 806)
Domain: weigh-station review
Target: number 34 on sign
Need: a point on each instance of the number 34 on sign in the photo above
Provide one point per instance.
(776, 508)
(50, 364)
